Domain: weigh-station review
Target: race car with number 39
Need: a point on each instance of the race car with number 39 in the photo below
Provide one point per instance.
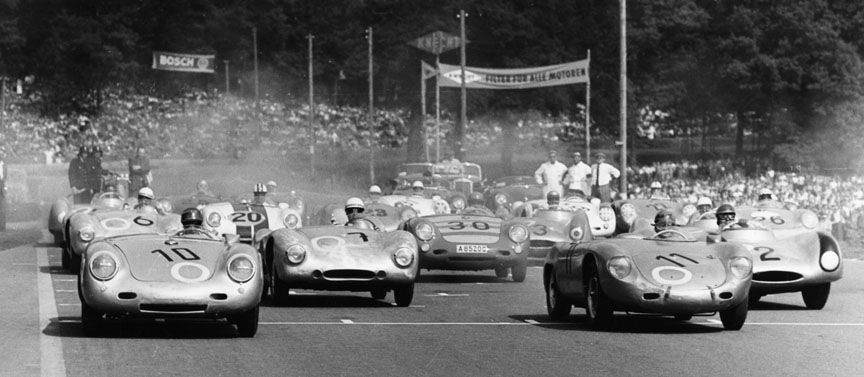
(669, 273)
(340, 258)
(248, 220)
(188, 274)
(472, 243)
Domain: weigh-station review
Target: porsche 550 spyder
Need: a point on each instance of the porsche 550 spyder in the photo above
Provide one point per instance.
(63, 208)
(601, 216)
(189, 274)
(630, 210)
(472, 243)
(340, 258)
(93, 224)
(250, 221)
(669, 273)
(388, 216)
(550, 226)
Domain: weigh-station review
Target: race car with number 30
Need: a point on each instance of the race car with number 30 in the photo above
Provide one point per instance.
(340, 258)
(248, 220)
(669, 273)
(183, 275)
(472, 243)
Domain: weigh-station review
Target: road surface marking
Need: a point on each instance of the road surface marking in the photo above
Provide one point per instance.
(65, 290)
(407, 323)
(290, 292)
(75, 280)
(531, 322)
(75, 304)
(50, 347)
(443, 294)
(347, 321)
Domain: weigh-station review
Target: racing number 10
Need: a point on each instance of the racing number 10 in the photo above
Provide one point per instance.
(182, 252)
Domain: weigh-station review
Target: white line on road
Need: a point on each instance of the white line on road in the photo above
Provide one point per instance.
(527, 322)
(65, 291)
(75, 280)
(443, 294)
(75, 304)
(347, 321)
(50, 347)
(531, 321)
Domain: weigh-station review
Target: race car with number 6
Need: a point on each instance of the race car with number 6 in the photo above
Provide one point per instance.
(472, 243)
(188, 274)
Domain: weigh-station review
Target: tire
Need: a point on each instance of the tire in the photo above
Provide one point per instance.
(65, 260)
(556, 306)
(519, 271)
(683, 317)
(502, 272)
(753, 299)
(91, 320)
(74, 262)
(278, 289)
(247, 323)
(815, 297)
(734, 317)
(598, 307)
(404, 295)
(58, 238)
(379, 293)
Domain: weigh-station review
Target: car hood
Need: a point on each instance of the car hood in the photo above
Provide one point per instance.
(468, 228)
(161, 259)
(681, 268)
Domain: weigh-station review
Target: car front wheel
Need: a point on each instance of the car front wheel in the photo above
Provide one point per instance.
(404, 294)
(556, 306)
(247, 323)
(278, 289)
(91, 320)
(734, 317)
(815, 297)
(502, 272)
(519, 271)
(379, 293)
(599, 307)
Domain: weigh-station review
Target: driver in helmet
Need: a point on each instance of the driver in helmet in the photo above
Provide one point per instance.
(725, 215)
(477, 205)
(354, 209)
(374, 194)
(417, 189)
(657, 191)
(664, 220)
(260, 196)
(193, 223)
(553, 200)
(145, 200)
(765, 194)
(703, 205)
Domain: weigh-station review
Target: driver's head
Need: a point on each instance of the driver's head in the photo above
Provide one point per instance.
(553, 198)
(202, 185)
(374, 191)
(191, 217)
(145, 195)
(725, 215)
(704, 204)
(259, 192)
(417, 187)
(353, 207)
(765, 194)
(664, 220)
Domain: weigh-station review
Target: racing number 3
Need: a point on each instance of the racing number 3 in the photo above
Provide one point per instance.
(182, 252)
(764, 250)
(458, 225)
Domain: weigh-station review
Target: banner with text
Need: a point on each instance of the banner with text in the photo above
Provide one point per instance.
(170, 61)
(520, 78)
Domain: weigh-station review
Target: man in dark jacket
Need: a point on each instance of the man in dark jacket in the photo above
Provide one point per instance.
(139, 168)
(78, 177)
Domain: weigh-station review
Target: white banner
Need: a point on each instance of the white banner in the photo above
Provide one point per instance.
(520, 78)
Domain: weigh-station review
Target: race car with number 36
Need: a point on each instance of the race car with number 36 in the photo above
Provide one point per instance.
(188, 274)
(248, 220)
(669, 273)
(340, 258)
(472, 243)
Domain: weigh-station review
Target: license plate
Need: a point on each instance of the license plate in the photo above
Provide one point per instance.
(472, 248)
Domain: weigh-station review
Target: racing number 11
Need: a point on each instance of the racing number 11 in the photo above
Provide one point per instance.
(182, 252)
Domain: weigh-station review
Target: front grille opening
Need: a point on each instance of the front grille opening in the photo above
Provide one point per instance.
(439, 251)
(172, 308)
(651, 296)
(726, 295)
(219, 296)
(504, 252)
(777, 276)
(466, 258)
(542, 243)
(349, 274)
(127, 295)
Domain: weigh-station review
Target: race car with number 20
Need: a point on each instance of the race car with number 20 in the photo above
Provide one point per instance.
(250, 221)
(472, 243)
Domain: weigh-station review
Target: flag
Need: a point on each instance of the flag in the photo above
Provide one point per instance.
(428, 70)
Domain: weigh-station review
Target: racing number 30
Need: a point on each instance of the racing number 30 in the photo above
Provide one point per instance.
(182, 252)
(458, 225)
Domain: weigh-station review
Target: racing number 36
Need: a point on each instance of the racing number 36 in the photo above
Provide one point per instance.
(458, 225)
(182, 252)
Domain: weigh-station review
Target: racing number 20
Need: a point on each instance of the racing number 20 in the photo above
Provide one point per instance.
(458, 225)
(182, 252)
(252, 217)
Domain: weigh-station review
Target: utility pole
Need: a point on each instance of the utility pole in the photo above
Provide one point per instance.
(311, 111)
(227, 79)
(255, 53)
(459, 151)
(371, 115)
(623, 109)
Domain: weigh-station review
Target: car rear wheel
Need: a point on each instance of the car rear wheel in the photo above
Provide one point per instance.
(557, 307)
(278, 288)
(519, 271)
(74, 262)
(734, 317)
(815, 297)
(247, 323)
(502, 272)
(91, 320)
(379, 293)
(599, 307)
(404, 294)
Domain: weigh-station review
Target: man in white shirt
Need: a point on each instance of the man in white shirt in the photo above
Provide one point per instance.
(550, 174)
(577, 176)
(603, 174)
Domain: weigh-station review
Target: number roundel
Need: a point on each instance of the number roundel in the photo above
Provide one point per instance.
(459, 225)
(678, 277)
(115, 224)
(189, 272)
(247, 218)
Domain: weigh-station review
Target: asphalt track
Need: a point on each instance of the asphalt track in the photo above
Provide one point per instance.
(460, 324)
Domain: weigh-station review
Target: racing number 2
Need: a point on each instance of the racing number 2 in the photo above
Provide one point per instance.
(182, 252)
(764, 250)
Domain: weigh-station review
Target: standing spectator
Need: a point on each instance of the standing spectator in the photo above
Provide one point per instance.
(550, 174)
(78, 179)
(603, 174)
(3, 175)
(577, 176)
(92, 168)
(139, 170)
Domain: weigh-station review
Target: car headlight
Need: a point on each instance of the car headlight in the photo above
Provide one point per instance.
(403, 257)
(295, 254)
(86, 234)
(408, 214)
(241, 268)
(501, 199)
(576, 234)
(628, 213)
(740, 266)
(518, 233)
(103, 266)
(424, 231)
(214, 219)
(291, 221)
(607, 214)
(458, 203)
(619, 267)
(829, 260)
(809, 220)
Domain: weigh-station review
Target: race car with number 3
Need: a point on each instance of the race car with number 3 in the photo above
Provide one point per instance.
(85, 227)
(189, 274)
(472, 243)
(601, 217)
(388, 216)
(630, 210)
(248, 220)
(340, 258)
(669, 273)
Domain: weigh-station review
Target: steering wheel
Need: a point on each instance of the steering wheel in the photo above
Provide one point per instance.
(668, 233)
